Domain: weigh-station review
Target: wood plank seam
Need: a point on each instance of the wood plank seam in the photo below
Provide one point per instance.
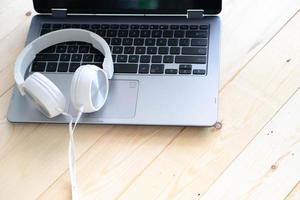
(250, 59)
(148, 165)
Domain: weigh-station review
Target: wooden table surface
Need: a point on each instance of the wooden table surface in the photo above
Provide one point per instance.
(256, 154)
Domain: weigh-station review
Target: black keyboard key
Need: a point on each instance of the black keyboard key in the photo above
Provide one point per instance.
(185, 71)
(134, 33)
(161, 42)
(101, 32)
(46, 26)
(168, 59)
(45, 31)
(203, 27)
(193, 27)
(94, 50)
(145, 59)
(153, 26)
(98, 64)
(196, 34)
(65, 57)
(87, 57)
(174, 27)
(123, 33)
(188, 67)
(127, 41)
(168, 34)
(125, 68)
(75, 25)
(193, 51)
(171, 71)
(184, 42)
(156, 59)
(98, 58)
(191, 59)
(116, 41)
(144, 68)
(85, 26)
(51, 67)
(174, 50)
(114, 57)
(117, 49)
(138, 41)
(49, 50)
(66, 26)
(163, 50)
(95, 26)
(114, 26)
(144, 26)
(124, 26)
(74, 66)
(173, 42)
(140, 50)
(134, 26)
(84, 49)
(156, 33)
(122, 58)
(47, 57)
(150, 42)
(179, 34)
(129, 50)
(199, 71)
(111, 33)
(107, 40)
(151, 50)
(199, 42)
(57, 26)
(76, 57)
(145, 33)
(104, 26)
(72, 49)
(133, 59)
(157, 69)
(163, 27)
(63, 67)
(38, 66)
(184, 27)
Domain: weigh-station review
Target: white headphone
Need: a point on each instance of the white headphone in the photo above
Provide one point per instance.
(89, 86)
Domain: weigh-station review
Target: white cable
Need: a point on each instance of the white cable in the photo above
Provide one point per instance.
(72, 154)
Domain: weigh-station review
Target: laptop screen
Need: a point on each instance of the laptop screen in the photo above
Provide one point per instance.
(129, 6)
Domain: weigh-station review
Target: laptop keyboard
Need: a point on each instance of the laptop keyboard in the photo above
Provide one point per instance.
(136, 48)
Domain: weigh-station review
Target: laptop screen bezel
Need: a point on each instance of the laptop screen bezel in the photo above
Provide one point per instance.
(41, 8)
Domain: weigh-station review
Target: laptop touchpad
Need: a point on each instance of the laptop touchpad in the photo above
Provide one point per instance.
(120, 103)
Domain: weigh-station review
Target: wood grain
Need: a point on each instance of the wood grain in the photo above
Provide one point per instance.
(269, 166)
(129, 162)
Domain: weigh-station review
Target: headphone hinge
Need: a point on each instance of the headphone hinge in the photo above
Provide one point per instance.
(59, 12)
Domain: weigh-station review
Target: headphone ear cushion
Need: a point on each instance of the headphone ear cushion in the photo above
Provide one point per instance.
(89, 88)
(45, 94)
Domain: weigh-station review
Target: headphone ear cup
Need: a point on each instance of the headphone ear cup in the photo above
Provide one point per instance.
(45, 94)
(89, 88)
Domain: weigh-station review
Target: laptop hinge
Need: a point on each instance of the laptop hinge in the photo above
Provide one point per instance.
(59, 12)
(194, 14)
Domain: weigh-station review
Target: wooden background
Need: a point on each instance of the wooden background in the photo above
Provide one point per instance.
(256, 154)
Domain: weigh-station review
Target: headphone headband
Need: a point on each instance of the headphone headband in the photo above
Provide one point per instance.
(56, 37)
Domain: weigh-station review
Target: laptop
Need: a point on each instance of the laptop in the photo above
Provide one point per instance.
(165, 52)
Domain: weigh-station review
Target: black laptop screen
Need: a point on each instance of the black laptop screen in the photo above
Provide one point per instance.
(128, 6)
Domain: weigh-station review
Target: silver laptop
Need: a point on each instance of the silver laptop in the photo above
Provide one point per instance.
(166, 59)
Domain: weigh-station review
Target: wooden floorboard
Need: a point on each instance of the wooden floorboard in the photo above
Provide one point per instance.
(129, 162)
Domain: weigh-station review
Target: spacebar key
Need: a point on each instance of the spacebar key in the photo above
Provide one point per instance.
(191, 59)
(125, 68)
